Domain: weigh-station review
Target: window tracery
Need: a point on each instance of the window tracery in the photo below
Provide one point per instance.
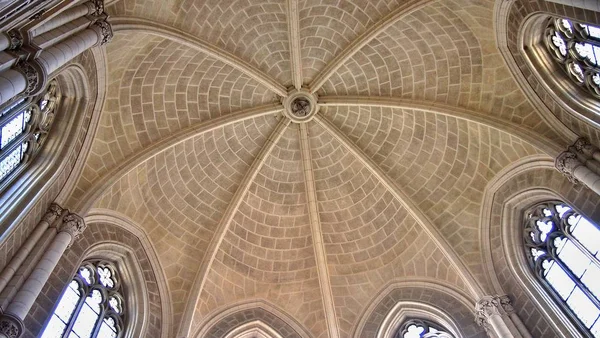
(24, 126)
(92, 306)
(563, 249)
(576, 47)
(418, 328)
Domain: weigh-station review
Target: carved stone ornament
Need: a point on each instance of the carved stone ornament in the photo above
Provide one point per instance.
(566, 163)
(72, 224)
(16, 39)
(54, 211)
(11, 326)
(98, 6)
(490, 306)
(33, 74)
(582, 146)
(105, 30)
(301, 107)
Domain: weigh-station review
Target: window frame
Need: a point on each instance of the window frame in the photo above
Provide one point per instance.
(85, 290)
(535, 265)
(427, 325)
(41, 122)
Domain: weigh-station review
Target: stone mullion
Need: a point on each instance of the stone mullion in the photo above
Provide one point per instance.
(68, 226)
(317, 235)
(225, 222)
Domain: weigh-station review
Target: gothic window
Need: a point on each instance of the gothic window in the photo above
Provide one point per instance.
(576, 47)
(563, 250)
(418, 328)
(92, 306)
(24, 125)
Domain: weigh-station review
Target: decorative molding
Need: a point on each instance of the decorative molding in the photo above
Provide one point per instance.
(34, 75)
(11, 326)
(104, 30)
(97, 7)
(72, 224)
(295, 48)
(490, 306)
(566, 163)
(16, 39)
(54, 211)
(582, 146)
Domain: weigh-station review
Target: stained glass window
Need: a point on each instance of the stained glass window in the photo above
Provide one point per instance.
(24, 125)
(90, 307)
(419, 328)
(563, 249)
(576, 47)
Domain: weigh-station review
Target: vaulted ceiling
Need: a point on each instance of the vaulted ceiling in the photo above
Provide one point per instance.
(417, 113)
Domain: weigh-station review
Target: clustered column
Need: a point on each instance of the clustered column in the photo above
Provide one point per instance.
(64, 37)
(581, 164)
(497, 316)
(67, 227)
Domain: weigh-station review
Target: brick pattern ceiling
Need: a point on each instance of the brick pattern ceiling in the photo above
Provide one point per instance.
(194, 148)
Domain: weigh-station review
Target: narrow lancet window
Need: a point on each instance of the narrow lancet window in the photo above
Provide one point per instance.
(563, 250)
(92, 306)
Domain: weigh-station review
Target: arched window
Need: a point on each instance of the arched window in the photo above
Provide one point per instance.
(563, 250)
(419, 328)
(576, 47)
(91, 306)
(24, 125)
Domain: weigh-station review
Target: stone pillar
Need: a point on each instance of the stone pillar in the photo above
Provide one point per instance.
(69, 228)
(93, 7)
(29, 77)
(587, 154)
(569, 164)
(10, 40)
(496, 315)
(99, 33)
(50, 218)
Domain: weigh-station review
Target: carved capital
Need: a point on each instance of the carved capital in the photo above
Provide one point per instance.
(489, 306)
(16, 39)
(104, 30)
(72, 224)
(54, 211)
(34, 75)
(95, 7)
(582, 146)
(11, 326)
(566, 163)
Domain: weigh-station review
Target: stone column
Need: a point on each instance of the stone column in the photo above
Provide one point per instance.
(496, 315)
(10, 40)
(69, 228)
(569, 164)
(587, 154)
(93, 7)
(29, 77)
(50, 218)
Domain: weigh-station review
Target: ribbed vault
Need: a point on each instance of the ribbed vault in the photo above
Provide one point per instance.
(241, 204)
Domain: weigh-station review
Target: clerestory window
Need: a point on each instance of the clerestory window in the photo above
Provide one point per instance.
(24, 126)
(563, 250)
(576, 47)
(419, 328)
(92, 306)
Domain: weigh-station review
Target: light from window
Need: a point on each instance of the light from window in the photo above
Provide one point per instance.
(90, 307)
(418, 328)
(564, 249)
(24, 125)
(576, 47)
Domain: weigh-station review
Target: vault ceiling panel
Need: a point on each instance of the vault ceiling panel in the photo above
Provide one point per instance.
(370, 239)
(178, 196)
(267, 253)
(329, 26)
(253, 30)
(441, 162)
(434, 55)
(158, 87)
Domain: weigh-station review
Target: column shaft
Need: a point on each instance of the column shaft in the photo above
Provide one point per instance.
(63, 18)
(63, 52)
(12, 83)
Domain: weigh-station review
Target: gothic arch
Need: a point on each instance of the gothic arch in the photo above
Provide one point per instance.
(224, 321)
(517, 28)
(506, 200)
(439, 303)
(105, 240)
